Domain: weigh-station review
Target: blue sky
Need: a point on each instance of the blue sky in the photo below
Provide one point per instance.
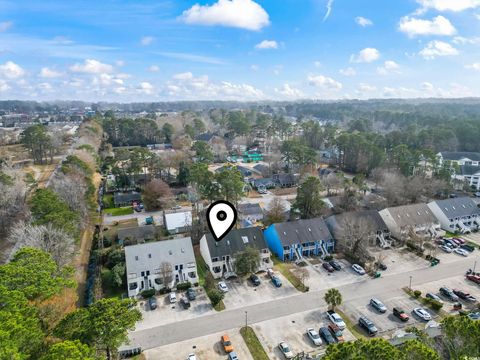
(119, 50)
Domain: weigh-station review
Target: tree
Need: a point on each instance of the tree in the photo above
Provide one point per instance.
(203, 152)
(247, 261)
(168, 131)
(309, 202)
(416, 350)
(38, 142)
(215, 296)
(183, 174)
(70, 350)
(157, 195)
(198, 125)
(13, 193)
(354, 236)
(231, 184)
(166, 273)
(275, 212)
(104, 324)
(203, 180)
(374, 349)
(72, 189)
(333, 297)
(461, 337)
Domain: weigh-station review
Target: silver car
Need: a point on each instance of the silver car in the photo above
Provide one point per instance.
(313, 335)
(422, 314)
(358, 269)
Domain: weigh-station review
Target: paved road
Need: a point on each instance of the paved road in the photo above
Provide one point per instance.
(389, 285)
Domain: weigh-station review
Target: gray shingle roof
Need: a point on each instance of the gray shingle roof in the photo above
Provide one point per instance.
(121, 198)
(372, 217)
(301, 231)
(458, 155)
(412, 215)
(469, 170)
(233, 242)
(139, 233)
(249, 209)
(458, 207)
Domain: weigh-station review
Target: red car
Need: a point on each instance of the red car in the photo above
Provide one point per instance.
(474, 278)
(460, 240)
(328, 267)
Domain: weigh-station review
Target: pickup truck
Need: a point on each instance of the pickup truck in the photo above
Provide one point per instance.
(336, 319)
(399, 313)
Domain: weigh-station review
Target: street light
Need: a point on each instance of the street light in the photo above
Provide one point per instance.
(246, 320)
(474, 265)
(410, 286)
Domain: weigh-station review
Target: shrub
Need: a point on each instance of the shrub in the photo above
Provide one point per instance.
(328, 258)
(215, 296)
(436, 305)
(184, 285)
(164, 291)
(416, 294)
(147, 293)
(209, 281)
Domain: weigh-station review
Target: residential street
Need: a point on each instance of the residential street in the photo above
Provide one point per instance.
(389, 285)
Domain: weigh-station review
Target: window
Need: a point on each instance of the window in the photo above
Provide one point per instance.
(158, 281)
(192, 275)
(176, 267)
(136, 258)
(132, 286)
(215, 259)
(149, 256)
(245, 239)
(286, 247)
(181, 267)
(142, 274)
(148, 273)
(217, 269)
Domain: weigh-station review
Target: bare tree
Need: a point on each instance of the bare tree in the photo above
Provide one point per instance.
(275, 211)
(54, 241)
(355, 236)
(393, 184)
(72, 189)
(332, 182)
(166, 272)
(157, 195)
(13, 192)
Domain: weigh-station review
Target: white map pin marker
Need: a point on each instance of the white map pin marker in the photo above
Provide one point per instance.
(221, 217)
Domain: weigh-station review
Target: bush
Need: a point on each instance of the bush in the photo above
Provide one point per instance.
(416, 294)
(215, 296)
(147, 293)
(209, 281)
(164, 291)
(436, 305)
(184, 285)
(328, 258)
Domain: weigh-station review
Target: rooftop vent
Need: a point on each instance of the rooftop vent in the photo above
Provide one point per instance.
(309, 229)
(245, 239)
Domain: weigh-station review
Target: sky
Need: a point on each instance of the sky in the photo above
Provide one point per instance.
(125, 51)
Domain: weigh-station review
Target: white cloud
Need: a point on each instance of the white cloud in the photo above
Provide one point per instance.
(348, 71)
(154, 68)
(91, 66)
(107, 80)
(4, 86)
(366, 88)
(244, 14)
(324, 82)
(363, 22)
(146, 40)
(437, 48)
(5, 25)
(254, 67)
(267, 44)
(146, 88)
(437, 26)
(10, 70)
(289, 92)
(183, 76)
(317, 64)
(460, 40)
(46, 72)
(366, 55)
(388, 66)
(426, 86)
(329, 9)
(449, 5)
(474, 66)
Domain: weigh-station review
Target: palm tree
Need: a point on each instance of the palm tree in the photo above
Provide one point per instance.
(333, 298)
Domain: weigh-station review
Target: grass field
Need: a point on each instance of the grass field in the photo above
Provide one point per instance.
(284, 269)
(118, 211)
(253, 344)
(108, 201)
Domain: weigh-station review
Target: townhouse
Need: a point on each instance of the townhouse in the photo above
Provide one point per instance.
(460, 215)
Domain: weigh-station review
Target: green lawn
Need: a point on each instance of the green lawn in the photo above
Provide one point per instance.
(354, 328)
(108, 201)
(284, 269)
(201, 268)
(119, 211)
(253, 344)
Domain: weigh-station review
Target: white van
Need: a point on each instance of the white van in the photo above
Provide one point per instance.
(172, 297)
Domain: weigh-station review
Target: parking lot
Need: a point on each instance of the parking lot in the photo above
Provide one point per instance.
(292, 329)
(168, 313)
(243, 293)
(473, 237)
(205, 348)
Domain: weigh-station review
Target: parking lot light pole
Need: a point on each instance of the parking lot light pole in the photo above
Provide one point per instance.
(246, 320)
(410, 286)
(474, 265)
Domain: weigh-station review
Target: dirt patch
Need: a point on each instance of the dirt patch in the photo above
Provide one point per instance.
(284, 191)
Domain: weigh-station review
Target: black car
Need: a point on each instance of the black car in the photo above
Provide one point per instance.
(185, 302)
(152, 303)
(448, 293)
(467, 247)
(191, 294)
(326, 335)
(464, 295)
(368, 326)
(381, 266)
(328, 267)
(335, 264)
(255, 280)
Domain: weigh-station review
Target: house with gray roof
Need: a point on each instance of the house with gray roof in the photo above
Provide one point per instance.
(294, 239)
(160, 264)
(250, 212)
(369, 221)
(402, 220)
(469, 174)
(220, 255)
(126, 199)
(459, 157)
(457, 215)
(139, 234)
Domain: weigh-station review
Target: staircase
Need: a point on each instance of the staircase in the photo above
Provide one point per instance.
(462, 227)
(433, 232)
(323, 247)
(299, 255)
(384, 244)
(230, 272)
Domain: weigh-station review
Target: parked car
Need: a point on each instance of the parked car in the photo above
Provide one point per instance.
(336, 319)
(460, 240)
(191, 357)
(368, 326)
(464, 295)
(456, 241)
(450, 243)
(467, 247)
(335, 264)
(270, 273)
(448, 293)
(399, 313)
(172, 297)
(474, 278)
(313, 335)
(222, 286)
(191, 294)
(328, 267)
(461, 252)
(336, 332)
(285, 349)
(381, 266)
(227, 344)
(184, 302)
(232, 356)
(433, 296)
(255, 280)
(326, 335)
(422, 314)
(358, 269)
(378, 305)
(474, 315)
(276, 281)
(446, 248)
(152, 303)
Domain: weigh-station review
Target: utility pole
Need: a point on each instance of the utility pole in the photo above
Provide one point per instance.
(474, 265)
(246, 320)
(410, 286)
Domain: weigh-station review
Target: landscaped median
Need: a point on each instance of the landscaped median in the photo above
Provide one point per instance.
(286, 270)
(253, 344)
(206, 280)
(118, 211)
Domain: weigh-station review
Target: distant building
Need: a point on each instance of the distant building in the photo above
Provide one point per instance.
(469, 174)
(126, 199)
(139, 234)
(286, 180)
(250, 212)
(179, 222)
(457, 215)
(459, 158)
(220, 255)
(295, 239)
(150, 264)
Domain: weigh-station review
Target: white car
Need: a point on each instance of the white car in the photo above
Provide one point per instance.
(358, 269)
(461, 252)
(222, 286)
(191, 357)
(172, 297)
(285, 349)
(336, 319)
(446, 248)
(313, 335)
(422, 313)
